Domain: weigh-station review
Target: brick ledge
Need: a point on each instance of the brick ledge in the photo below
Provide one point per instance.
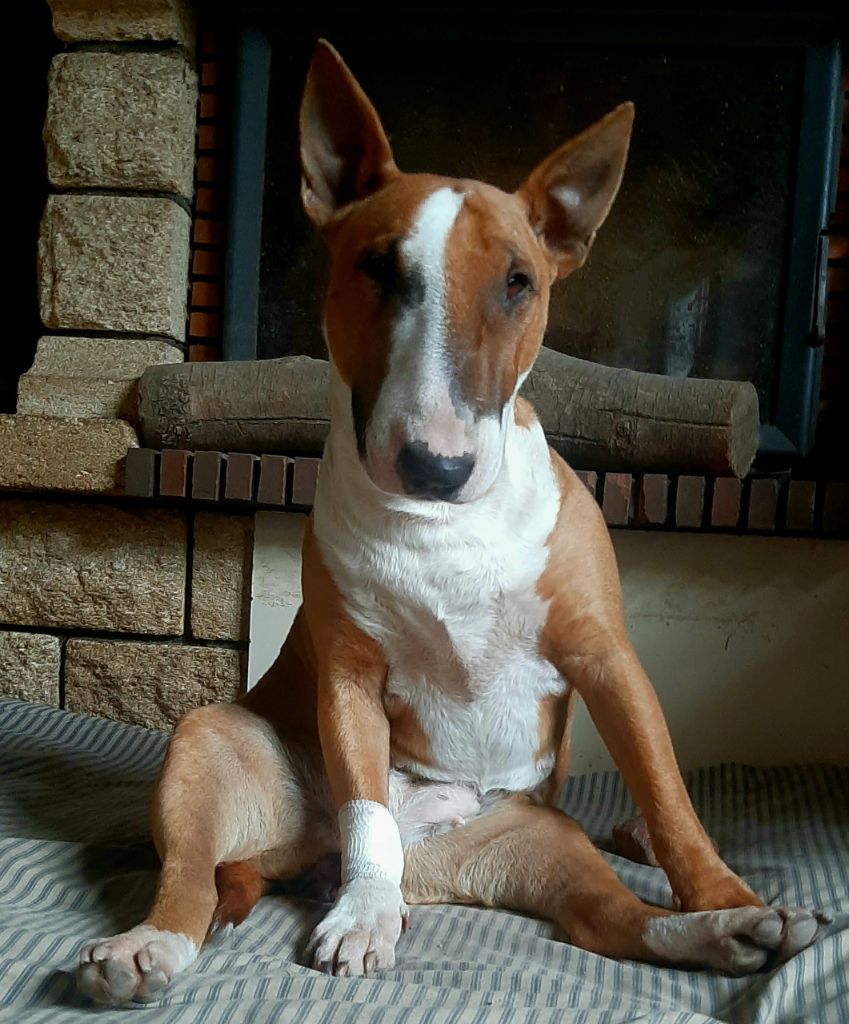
(759, 504)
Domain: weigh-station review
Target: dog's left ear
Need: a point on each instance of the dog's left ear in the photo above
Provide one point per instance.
(569, 194)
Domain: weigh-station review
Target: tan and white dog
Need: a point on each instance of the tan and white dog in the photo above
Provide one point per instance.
(460, 591)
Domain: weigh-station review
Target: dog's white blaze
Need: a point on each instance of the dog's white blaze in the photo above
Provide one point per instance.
(449, 592)
(424, 246)
(415, 391)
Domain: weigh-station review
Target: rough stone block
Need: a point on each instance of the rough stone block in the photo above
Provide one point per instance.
(29, 667)
(46, 453)
(105, 358)
(114, 263)
(150, 684)
(121, 120)
(90, 377)
(92, 566)
(221, 576)
(161, 21)
(76, 396)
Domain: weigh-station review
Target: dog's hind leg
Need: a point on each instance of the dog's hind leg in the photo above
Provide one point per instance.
(535, 859)
(229, 792)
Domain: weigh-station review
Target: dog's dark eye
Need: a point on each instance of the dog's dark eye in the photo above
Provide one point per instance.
(518, 283)
(382, 267)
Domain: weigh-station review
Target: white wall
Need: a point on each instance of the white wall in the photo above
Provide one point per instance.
(275, 588)
(745, 638)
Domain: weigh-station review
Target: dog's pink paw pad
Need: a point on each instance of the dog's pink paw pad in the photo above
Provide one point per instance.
(136, 965)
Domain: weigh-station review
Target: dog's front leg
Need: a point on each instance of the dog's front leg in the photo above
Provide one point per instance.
(360, 931)
(625, 710)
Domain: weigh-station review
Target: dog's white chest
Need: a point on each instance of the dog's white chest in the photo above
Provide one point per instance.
(474, 680)
(452, 600)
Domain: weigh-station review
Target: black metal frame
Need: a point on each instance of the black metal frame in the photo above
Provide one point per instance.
(244, 208)
(805, 291)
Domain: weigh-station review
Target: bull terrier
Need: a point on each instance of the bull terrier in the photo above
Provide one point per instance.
(460, 592)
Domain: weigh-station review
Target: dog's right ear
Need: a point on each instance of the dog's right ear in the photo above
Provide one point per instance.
(345, 154)
(569, 195)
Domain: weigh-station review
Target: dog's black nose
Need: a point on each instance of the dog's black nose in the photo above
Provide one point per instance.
(437, 477)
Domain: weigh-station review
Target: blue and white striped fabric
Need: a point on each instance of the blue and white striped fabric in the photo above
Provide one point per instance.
(75, 863)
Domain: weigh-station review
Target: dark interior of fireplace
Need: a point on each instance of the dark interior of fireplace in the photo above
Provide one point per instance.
(709, 264)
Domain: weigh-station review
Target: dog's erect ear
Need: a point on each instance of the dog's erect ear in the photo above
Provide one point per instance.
(344, 151)
(570, 193)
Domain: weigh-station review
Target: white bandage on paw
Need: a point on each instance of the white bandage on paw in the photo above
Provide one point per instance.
(371, 843)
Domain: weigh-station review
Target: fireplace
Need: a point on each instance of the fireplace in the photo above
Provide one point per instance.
(712, 263)
(135, 569)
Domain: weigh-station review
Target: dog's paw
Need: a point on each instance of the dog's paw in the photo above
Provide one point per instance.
(737, 941)
(359, 933)
(136, 965)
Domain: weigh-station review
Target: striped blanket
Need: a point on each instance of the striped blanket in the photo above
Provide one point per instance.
(75, 863)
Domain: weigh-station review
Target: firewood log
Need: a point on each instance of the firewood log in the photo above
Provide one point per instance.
(597, 417)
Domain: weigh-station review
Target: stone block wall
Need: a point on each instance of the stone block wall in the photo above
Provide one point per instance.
(132, 611)
(109, 605)
(120, 139)
(158, 21)
(114, 263)
(122, 121)
(90, 377)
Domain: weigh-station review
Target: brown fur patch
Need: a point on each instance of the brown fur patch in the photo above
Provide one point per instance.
(240, 887)
(352, 721)
(493, 340)
(581, 579)
(524, 414)
(551, 721)
(585, 639)
(535, 860)
(409, 743)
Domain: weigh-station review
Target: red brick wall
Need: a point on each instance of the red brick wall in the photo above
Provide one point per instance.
(208, 234)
